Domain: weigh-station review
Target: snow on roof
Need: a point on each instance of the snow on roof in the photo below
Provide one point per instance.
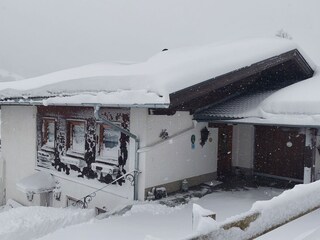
(297, 104)
(150, 82)
(37, 183)
(300, 98)
(242, 106)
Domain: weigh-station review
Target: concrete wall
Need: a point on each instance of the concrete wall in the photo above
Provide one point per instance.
(243, 146)
(18, 129)
(172, 160)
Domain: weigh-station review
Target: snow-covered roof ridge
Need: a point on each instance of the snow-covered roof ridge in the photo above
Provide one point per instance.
(164, 73)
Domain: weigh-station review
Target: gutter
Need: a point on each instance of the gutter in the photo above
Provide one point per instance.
(99, 117)
(41, 103)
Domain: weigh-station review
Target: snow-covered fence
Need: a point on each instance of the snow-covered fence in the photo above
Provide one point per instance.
(264, 216)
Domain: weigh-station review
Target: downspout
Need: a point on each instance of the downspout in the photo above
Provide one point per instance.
(99, 117)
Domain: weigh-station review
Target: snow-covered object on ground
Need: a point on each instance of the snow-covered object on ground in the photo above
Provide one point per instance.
(37, 183)
(33, 222)
(289, 204)
(201, 220)
(164, 73)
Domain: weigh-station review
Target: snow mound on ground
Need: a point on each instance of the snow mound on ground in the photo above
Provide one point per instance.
(201, 221)
(33, 222)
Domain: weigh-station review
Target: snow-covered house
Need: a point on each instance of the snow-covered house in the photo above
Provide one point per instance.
(143, 125)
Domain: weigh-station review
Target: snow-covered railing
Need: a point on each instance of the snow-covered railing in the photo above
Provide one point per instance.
(265, 216)
(84, 201)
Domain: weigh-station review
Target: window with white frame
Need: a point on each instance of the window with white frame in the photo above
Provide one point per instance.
(109, 145)
(76, 136)
(48, 133)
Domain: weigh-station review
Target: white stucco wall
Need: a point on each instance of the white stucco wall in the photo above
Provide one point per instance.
(19, 153)
(18, 129)
(243, 146)
(138, 123)
(110, 198)
(174, 159)
(170, 161)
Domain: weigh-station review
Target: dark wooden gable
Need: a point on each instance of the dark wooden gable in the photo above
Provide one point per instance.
(270, 74)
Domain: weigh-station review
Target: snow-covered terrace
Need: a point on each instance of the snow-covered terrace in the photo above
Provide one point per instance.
(147, 83)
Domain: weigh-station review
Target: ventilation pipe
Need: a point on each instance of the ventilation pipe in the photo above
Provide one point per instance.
(99, 117)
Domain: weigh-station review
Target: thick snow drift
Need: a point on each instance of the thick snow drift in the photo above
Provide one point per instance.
(162, 74)
(278, 210)
(154, 221)
(33, 222)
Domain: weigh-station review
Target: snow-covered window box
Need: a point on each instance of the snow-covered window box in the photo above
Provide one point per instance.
(48, 134)
(76, 137)
(109, 144)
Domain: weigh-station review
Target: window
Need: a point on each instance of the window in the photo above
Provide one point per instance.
(109, 146)
(76, 136)
(49, 133)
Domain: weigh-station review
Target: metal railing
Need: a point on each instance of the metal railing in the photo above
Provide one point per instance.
(84, 201)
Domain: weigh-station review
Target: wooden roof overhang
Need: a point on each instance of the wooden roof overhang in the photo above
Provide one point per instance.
(270, 74)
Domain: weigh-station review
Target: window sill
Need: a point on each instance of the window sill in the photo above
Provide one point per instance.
(106, 160)
(75, 154)
(47, 149)
(80, 163)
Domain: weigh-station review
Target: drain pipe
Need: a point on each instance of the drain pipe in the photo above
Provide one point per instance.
(99, 117)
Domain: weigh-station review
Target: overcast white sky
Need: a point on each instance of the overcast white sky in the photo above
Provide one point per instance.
(41, 36)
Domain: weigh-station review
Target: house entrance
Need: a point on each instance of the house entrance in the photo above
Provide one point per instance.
(279, 152)
(224, 151)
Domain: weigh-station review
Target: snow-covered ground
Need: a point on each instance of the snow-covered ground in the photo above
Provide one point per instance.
(151, 220)
(154, 221)
(24, 223)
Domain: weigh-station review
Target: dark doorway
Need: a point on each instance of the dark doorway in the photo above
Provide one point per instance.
(224, 151)
(279, 152)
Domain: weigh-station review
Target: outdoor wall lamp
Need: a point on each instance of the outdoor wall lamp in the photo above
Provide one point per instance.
(30, 196)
